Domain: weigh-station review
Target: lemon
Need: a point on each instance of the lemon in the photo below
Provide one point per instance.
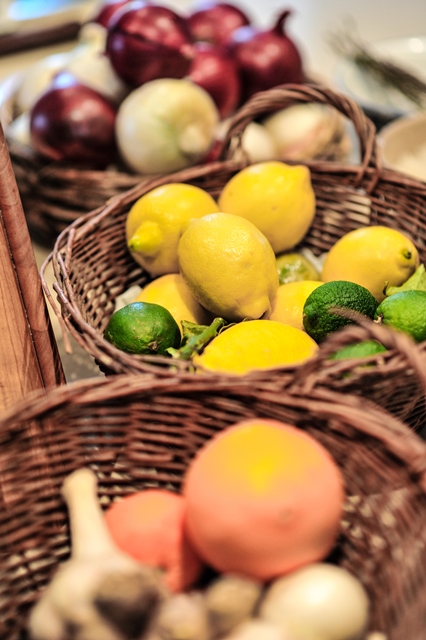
(287, 306)
(155, 222)
(319, 318)
(294, 267)
(172, 292)
(405, 311)
(229, 266)
(143, 328)
(256, 344)
(278, 198)
(374, 257)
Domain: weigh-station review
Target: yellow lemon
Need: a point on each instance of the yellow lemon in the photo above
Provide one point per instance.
(276, 197)
(256, 344)
(372, 257)
(229, 266)
(287, 306)
(171, 292)
(154, 224)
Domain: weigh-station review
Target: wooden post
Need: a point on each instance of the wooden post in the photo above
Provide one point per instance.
(29, 357)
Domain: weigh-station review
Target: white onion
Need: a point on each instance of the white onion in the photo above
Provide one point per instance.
(166, 125)
(19, 129)
(323, 600)
(92, 68)
(37, 78)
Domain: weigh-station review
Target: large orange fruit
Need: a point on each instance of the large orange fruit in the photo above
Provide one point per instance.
(263, 498)
(149, 526)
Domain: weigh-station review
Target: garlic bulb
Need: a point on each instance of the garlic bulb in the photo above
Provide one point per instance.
(100, 593)
(166, 125)
(259, 144)
(307, 131)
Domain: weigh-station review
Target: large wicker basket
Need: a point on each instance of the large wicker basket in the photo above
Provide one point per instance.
(136, 431)
(92, 265)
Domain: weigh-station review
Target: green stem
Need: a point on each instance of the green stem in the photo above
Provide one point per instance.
(197, 342)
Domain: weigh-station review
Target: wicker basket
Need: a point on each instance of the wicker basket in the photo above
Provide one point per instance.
(136, 432)
(55, 194)
(92, 265)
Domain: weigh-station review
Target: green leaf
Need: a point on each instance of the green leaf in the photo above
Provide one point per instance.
(415, 282)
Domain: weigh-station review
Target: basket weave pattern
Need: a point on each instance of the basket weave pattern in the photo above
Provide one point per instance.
(92, 265)
(136, 432)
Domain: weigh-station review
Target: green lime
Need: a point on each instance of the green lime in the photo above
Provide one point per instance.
(319, 319)
(405, 311)
(294, 267)
(143, 327)
(359, 350)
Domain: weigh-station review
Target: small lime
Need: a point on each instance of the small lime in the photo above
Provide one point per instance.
(143, 328)
(319, 319)
(295, 267)
(405, 311)
(361, 349)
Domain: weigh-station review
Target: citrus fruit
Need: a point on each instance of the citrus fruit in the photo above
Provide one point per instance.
(155, 222)
(319, 319)
(228, 265)
(361, 349)
(405, 311)
(142, 327)
(278, 198)
(172, 292)
(294, 267)
(256, 344)
(263, 498)
(287, 306)
(149, 526)
(374, 257)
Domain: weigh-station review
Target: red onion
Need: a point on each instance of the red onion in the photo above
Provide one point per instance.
(72, 122)
(107, 10)
(214, 70)
(212, 21)
(146, 42)
(266, 58)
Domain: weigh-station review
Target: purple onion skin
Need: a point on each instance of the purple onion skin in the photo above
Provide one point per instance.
(71, 122)
(146, 42)
(265, 58)
(214, 70)
(107, 10)
(214, 22)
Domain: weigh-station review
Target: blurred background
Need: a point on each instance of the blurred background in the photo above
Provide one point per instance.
(310, 25)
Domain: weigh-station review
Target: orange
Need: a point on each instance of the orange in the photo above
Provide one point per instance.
(263, 498)
(149, 526)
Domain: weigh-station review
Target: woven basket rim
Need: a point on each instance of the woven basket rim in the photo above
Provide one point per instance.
(363, 414)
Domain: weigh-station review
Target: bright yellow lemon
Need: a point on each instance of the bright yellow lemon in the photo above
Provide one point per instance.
(287, 306)
(172, 292)
(254, 345)
(229, 266)
(372, 257)
(154, 224)
(276, 197)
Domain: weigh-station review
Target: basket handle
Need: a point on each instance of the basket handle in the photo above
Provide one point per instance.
(283, 96)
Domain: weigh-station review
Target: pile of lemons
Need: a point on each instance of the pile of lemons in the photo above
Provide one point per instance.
(236, 258)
